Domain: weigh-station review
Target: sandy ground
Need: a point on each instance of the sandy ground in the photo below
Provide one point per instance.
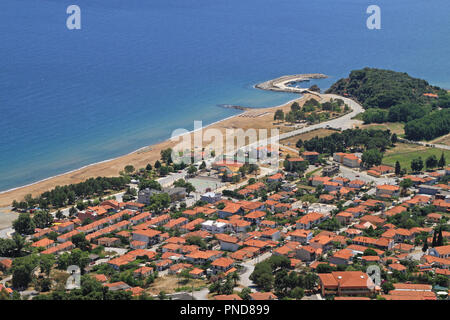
(141, 158)
(7, 217)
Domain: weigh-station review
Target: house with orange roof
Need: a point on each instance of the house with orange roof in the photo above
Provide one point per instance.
(250, 206)
(402, 235)
(5, 264)
(222, 264)
(434, 217)
(263, 296)
(383, 169)
(341, 257)
(381, 243)
(197, 273)
(442, 205)
(394, 211)
(201, 257)
(277, 177)
(370, 259)
(43, 243)
(397, 267)
(296, 163)
(65, 227)
(148, 236)
(65, 246)
(309, 220)
(311, 156)
(344, 217)
(346, 283)
(143, 272)
(376, 220)
(388, 190)
(255, 217)
(306, 253)
(271, 234)
(301, 235)
(241, 254)
(442, 252)
(227, 297)
(227, 242)
(351, 233)
(190, 226)
(318, 180)
(331, 186)
(356, 184)
(229, 210)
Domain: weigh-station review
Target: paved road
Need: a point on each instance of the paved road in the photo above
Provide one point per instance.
(249, 267)
(354, 174)
(426, 144)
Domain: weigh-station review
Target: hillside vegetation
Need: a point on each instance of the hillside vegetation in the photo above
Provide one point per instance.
(390, 96)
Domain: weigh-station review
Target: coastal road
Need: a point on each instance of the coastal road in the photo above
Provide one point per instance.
(344, 122)
(341, 123)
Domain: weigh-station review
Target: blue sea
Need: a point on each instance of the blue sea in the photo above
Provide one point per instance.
(139, 69)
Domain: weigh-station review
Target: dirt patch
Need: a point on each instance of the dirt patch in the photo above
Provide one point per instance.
(291, 141)
(170, 283)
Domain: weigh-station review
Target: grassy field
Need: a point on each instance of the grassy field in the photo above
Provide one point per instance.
(405, 153)
(395, 127)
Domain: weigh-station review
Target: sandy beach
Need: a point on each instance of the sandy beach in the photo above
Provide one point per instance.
(261, 118)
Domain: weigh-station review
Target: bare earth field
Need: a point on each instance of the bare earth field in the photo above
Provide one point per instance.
(442, 140)
(170, 283)
(141, 158)
(306, 136)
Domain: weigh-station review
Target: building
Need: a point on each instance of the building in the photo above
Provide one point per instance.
(305, 253)
(211, 197)
(388, 190)
(346, 283)
(148, 236)
(309, 220)
(331, 170)
(311, 156)
(175, 194)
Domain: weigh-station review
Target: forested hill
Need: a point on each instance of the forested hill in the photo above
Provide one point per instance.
(377, 88)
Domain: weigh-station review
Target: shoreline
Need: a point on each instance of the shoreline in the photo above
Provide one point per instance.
(102, 168)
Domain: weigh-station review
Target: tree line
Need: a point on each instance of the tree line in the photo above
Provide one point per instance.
(62, 196)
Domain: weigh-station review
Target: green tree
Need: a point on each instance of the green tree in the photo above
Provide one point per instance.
(245, 293)
(398, 168)
(431, 162)
(417, 164)
(279, 115)
(370, 252)
(24, 224)
(166, 155)
(129, 169)
(159, 201)
(387, 286)
(442, 161)
(80, 241)
(371, 157)
(42, 219)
